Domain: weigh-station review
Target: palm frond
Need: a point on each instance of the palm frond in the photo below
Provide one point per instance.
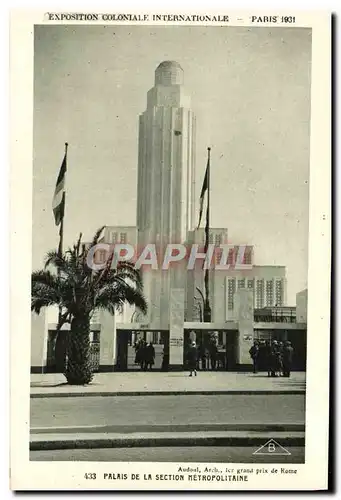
(97, 236)
(46, 278)
(124, 271)
(78, 244)
(53, 258)
(45, 290)
(79, 290)
(116, 295)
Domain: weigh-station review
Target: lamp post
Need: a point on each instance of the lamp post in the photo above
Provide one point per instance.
(202, 298)
(199, 307)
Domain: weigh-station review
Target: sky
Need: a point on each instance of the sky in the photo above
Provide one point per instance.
(250, 92)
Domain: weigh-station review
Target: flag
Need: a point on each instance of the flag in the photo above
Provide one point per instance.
(203, 191)
(58, 203)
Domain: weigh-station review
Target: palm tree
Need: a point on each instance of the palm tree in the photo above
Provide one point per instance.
(79, 291)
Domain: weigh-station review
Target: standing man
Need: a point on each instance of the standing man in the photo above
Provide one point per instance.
(142, 354)
(280, 350)
(202, 356)
(275, 359)
(261, 356)
(287, 358)
(267, 357)
(213, 354)
(254, 353)
(165, 359)
(192, 356)
(149, 356)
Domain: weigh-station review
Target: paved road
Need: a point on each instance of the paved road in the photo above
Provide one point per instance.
(73, 411)
(176, 454)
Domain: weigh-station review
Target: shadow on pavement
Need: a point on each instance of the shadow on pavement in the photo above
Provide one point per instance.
(48, 384)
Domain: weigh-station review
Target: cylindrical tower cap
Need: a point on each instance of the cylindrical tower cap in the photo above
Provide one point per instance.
(169, 73)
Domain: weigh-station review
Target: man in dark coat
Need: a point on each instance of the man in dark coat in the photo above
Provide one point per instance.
(287, 358)
(213, 354)
(267, 357)
(165, 360)
(192, 357)
(149, 356)
(276, 360)
(254, 353)
(280, 354)
(202, 356)
(141, 354)
(137, 348)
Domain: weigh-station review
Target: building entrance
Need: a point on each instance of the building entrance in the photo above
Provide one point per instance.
(217, 350)
(142, 350)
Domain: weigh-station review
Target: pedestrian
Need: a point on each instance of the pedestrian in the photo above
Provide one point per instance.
(203, 356)
(254, 353)
(138, 352)
(149, 356)
(275, 359)
(192, 357)
(142, 354)
(280, 357)
(165, 360)
(262, 356)
(288, 352)
(213, 355)
(267, 357)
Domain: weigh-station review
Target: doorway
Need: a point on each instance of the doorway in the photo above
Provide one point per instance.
(132, 352)
(217, 349)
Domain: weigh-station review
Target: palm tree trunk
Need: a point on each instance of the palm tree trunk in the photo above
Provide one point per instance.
(78, 370)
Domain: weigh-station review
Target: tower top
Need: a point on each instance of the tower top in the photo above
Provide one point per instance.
(169, 73)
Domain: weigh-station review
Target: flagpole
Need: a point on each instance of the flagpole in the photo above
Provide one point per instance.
(207, 307)
(61, 230)
(61, 236)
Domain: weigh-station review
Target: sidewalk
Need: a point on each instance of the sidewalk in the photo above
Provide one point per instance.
(171, 383)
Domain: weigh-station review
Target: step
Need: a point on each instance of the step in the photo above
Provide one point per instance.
(158, 428)
(163, 439)
(170, 392)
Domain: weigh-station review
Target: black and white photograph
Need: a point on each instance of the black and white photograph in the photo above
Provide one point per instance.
(170, 233)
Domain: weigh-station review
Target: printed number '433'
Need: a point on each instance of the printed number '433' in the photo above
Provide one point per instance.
(90, 475)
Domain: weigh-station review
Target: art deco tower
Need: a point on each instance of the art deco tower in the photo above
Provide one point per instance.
(166, 177)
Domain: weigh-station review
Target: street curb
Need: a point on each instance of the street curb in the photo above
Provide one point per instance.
(168, 393)
(159, 441)
(195, 427)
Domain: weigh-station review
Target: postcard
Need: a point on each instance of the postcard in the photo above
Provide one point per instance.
(171, 250)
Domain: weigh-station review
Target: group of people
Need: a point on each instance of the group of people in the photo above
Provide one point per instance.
(203, 357)
(209, 356)
(274, 356)
(144, 354)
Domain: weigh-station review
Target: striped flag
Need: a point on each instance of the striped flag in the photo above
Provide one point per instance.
(58, 203)
(203, 191)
